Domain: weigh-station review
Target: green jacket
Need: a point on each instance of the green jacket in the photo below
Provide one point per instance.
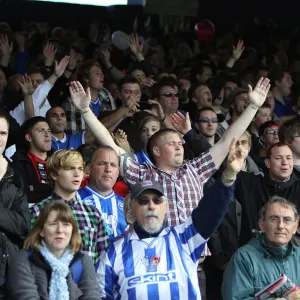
(256, 265)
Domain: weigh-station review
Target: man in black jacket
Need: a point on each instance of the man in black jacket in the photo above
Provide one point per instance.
(253, 191)
(14, 212)
(31, 163)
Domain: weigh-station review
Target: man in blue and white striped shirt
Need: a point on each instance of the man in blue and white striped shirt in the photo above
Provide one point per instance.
(158, 262)
(104, 171)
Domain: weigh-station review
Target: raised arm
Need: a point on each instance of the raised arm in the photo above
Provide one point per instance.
(81, 100)
(206, 217)
(236, 53)
(27, 89)
(257, 98)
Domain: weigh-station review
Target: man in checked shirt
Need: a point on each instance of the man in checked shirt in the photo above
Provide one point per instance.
(66, 172)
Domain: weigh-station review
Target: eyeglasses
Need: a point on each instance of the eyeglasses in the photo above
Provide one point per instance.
(208, 120)
(271, 131)
(169, 95)
(143, 200)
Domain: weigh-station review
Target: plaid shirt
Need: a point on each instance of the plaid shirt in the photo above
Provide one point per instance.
(184, 188)
(75, 122)
(91, 228)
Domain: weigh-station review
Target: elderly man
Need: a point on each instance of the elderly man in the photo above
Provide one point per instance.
(158, 262)
(264, 259)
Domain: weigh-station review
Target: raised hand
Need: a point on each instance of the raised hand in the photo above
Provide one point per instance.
(181, 123)
(49, 52)
(132, 109)
(156, 110)
(258, 96)
(26, 85)
(120, 138)
(5, 47)
(61, 66)
(236, 157)
(238, 50)
(135, 45)
(79, 97)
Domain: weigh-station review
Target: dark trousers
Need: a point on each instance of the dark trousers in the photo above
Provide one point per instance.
(214, 278)
(202, 281)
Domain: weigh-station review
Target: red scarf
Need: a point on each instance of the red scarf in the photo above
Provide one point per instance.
(40, 166)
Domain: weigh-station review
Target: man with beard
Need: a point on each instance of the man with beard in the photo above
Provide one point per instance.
(31, 163)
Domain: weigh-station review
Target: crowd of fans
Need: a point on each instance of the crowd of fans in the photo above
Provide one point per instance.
(166, 170)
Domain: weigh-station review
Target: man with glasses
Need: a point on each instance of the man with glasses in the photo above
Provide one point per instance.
(207, 123)
(268, 136)
(158, 262)
(167, 95)
(265, 258)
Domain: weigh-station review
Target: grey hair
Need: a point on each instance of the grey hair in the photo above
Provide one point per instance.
(281, 201)
(104, 147)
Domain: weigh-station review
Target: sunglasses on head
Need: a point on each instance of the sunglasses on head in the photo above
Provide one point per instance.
(144, 200)
(271, 131)
(208, 120)
(170, 94)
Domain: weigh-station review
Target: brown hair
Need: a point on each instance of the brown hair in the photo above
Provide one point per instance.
(84, 72)
(63, 159)
(277, 145)
(282, 201)
(34, 238)
(289, 130)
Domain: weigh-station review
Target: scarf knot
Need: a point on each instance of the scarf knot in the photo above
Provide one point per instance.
(58, 289)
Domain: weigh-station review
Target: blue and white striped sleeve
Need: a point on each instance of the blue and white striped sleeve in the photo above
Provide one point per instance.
(188, 238)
